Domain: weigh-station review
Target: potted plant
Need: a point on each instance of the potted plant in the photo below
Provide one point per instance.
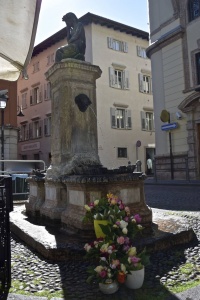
(135, 266)
(110, 271)
(111, 211)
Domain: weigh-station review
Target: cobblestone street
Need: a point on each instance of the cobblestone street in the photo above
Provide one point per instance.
(34, 275)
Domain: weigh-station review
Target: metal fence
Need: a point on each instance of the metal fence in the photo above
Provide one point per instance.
(6, 206)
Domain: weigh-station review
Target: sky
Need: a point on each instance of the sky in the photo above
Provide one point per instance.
(129, 12)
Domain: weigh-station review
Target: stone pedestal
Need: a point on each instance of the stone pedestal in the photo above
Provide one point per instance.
(74, 124)
(36, 196)
(55, 200)
(84, 189)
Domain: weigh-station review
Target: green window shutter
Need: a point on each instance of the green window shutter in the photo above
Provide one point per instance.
(30, 130)
(45, 91)
(138, 50)
(153, 125)
(31, 97)
(113, 117)
(143, 120)
(125, 47)
(140, 78)
(40, 128)
(128, 119)
(40, 93)
(110, 42)
(45, 127)
(112, 76)
(126, 79)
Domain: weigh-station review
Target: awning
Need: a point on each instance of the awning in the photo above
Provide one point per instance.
(18, 25)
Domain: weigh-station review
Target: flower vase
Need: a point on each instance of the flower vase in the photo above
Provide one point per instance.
(109, 288)
(98, 231)
(135, 279)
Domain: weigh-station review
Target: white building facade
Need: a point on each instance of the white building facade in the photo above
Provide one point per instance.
(125, 117)
(175, 58)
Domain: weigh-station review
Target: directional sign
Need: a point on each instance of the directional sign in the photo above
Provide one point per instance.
(169, 126)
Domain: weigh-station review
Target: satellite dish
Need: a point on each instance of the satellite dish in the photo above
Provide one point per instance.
(165, 116)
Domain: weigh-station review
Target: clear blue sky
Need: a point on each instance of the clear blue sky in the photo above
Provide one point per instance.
(130, 12)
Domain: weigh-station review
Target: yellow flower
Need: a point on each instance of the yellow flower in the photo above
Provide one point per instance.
(113, 202)
(132, 251)
(140, 227)
(104, 248)
(87, 207)
(96, 202)
(109, 195)
(123, 268)
(98, 269)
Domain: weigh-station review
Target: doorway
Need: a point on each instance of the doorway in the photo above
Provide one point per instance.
(149, 168)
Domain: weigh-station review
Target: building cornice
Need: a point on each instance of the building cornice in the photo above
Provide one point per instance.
(165, 40)
(89, 19)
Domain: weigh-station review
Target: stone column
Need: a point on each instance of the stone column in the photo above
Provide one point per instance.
(74, 125)
(36, 196)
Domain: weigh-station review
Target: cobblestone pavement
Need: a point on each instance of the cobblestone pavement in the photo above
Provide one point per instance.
(34, 275)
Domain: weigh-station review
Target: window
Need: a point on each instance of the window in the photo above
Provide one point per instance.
(193, 9)
(120, 118)
(36, 67)
(24, 156)
(24, 133)
(117, 45)
(141, 52)
(197, 57)
(35, 129)
(47, 126)
(50, 59)
(147, 119)
(122, 152)
(36, 95)
(119, 78)
(145, 84)
(24, 100)
(47, 91)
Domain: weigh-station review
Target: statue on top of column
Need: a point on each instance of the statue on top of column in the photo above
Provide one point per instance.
(75, 38)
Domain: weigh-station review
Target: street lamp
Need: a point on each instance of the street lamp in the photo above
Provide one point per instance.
(3, 102)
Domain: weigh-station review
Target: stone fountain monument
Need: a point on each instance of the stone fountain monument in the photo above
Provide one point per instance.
(76, 175)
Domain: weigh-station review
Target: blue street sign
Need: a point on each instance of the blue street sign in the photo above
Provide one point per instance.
(169, 126)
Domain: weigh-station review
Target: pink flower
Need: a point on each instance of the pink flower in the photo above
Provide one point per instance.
(103, 274)
(117, 223)
(137, 218)
(126, 240)
(134, 259)
(120, 240)
(121, 206)
(126, 219)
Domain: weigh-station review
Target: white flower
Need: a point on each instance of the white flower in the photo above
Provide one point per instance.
(125, 230)
(103, 258)
(87, 247)
(123, 268)
(123, 224)
(96, 202)
(140, 227)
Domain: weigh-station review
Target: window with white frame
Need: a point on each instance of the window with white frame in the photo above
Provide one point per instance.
(147, 121)
(117, 45)
(35, 129)
(193, 9)
(47, 126)
(24, 132)
(122, 152)
(145, 85)
(119, 78)
(36, 95)
(36, 67)
(120, 118)
(24, 100)
(50, 59)
(47, 91)
(141, 52)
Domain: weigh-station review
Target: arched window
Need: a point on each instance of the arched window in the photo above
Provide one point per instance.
(193, 9)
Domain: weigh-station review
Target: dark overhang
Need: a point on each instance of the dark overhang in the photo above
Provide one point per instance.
(88, 19)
